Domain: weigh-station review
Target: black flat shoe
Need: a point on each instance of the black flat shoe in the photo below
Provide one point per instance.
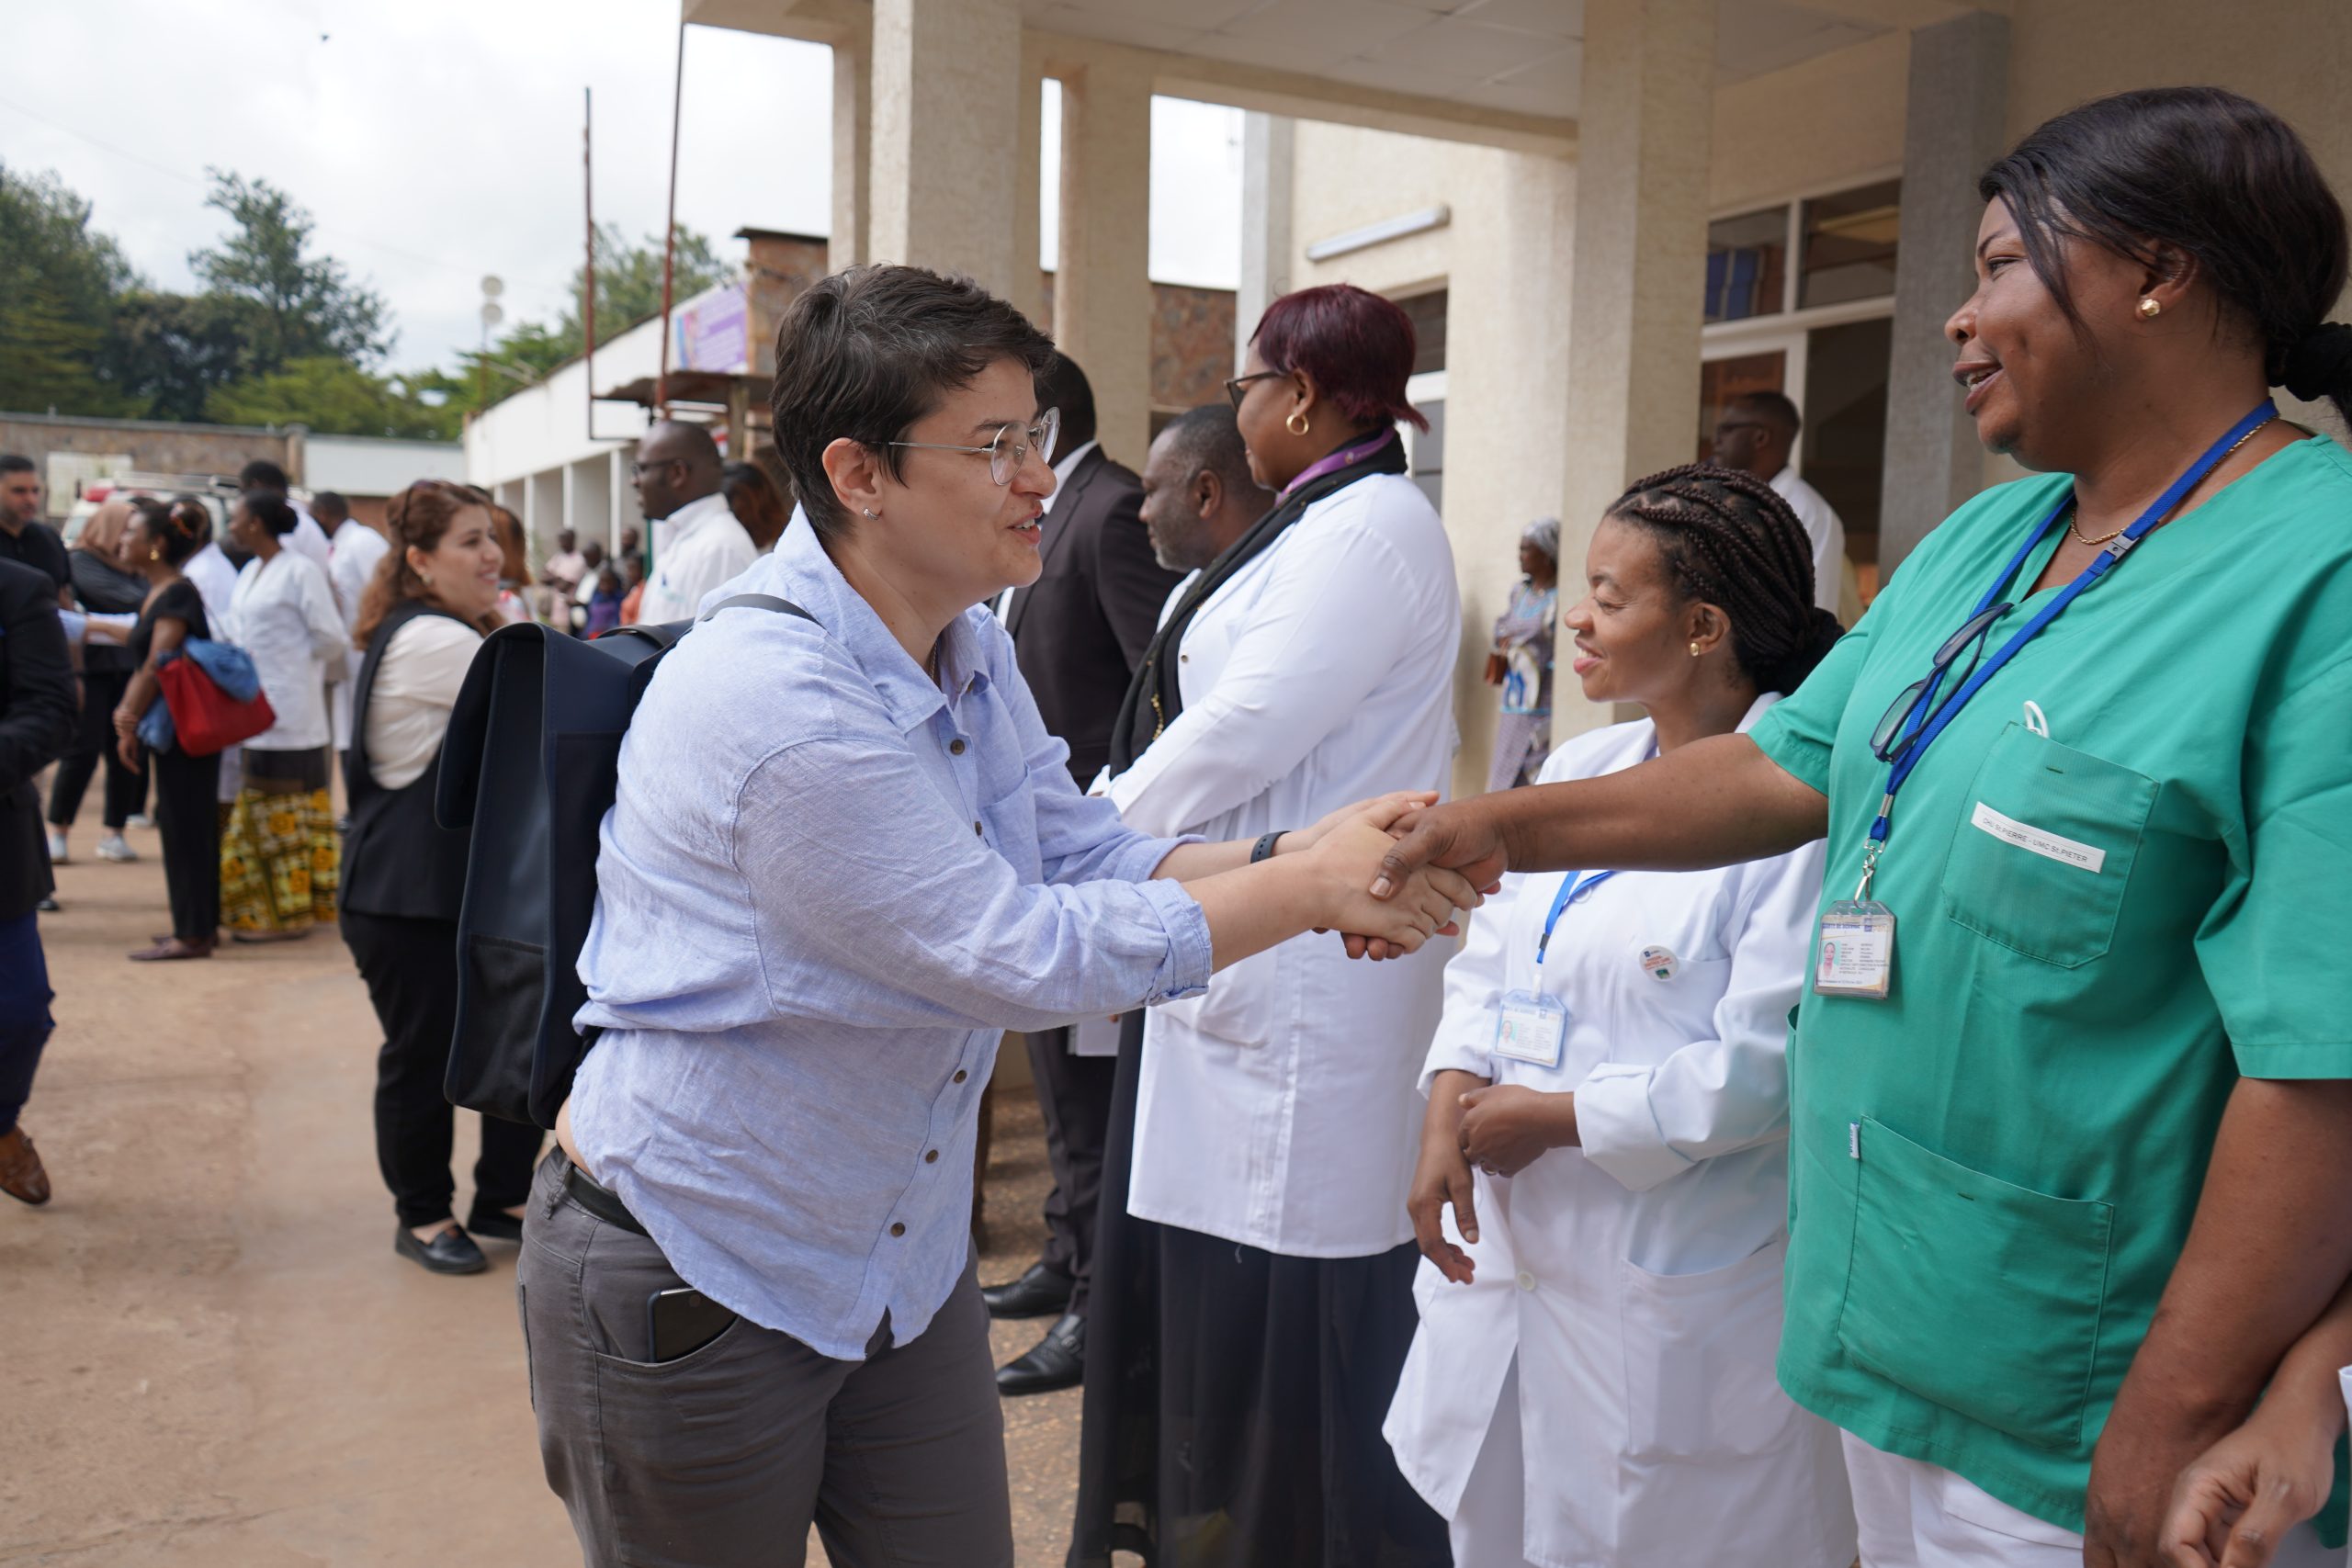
(1041, 1292)
(450, 1252)
(495, 1223)
(1059, 1362)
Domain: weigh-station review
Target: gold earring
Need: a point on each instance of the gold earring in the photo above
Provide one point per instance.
(2150, 309)
(1296, 424)
(1694, 650)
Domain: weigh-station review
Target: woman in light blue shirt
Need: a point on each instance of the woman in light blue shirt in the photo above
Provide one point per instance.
(844, 856)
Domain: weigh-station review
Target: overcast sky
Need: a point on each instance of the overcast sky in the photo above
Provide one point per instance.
(435, 141)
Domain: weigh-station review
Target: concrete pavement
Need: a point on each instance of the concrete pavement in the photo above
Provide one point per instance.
(212, 1358)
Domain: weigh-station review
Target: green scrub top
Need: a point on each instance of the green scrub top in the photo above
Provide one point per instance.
(2098, 930)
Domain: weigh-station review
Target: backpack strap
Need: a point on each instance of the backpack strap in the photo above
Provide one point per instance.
(768, 602)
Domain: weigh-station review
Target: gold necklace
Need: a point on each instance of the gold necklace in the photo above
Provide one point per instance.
(2075, 521)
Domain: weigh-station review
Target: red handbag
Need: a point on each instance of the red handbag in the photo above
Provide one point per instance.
(204, 717)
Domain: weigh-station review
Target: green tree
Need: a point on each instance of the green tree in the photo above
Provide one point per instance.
(306, 307)
(167, 354)
(58, 281)
(335, 396)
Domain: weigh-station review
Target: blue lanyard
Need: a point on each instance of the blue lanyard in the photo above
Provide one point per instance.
(1942, 718)
(1571, 890)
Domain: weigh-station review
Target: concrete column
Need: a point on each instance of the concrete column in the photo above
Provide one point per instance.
(620, 497)
(946, 123)
(1268, 144)
(1644, 128)
(853, 140)
(1102, 300)
(588, 510)
(1952, 127)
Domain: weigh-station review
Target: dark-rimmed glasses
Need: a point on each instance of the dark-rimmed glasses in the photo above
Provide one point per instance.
(1006, 455)
(1896, 733)
(1239, 387)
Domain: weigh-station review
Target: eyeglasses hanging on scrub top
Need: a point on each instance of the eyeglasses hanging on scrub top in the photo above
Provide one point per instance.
(1010, 448)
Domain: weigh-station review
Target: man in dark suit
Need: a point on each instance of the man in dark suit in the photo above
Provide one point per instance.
(1078, 633)
(38, 711)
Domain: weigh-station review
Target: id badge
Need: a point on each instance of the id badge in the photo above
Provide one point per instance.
(1532, 1029)
(1857, 951)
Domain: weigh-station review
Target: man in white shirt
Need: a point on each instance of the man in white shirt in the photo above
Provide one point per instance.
(357, 549)
(697, 544)
(1757, 434)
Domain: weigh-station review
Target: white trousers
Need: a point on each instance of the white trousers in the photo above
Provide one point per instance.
(1915, 1515)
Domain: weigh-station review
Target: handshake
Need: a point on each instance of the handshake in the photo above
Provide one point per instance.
(1383, 904)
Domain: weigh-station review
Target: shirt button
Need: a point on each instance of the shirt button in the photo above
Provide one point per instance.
(957, 746)
(961, 1075)
(1526, 1281)
(930, 1156)
(978, 832)
(898, 1228)
(1184, 659)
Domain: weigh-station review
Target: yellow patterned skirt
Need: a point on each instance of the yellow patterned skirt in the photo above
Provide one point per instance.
(279, 856)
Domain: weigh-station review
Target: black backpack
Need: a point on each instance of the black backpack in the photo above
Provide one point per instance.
(529, 769)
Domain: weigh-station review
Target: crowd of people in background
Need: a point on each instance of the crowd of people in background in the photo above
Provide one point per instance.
(1662, 1221)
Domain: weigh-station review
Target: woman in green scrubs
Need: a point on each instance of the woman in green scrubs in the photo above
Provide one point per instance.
(2062, 1196)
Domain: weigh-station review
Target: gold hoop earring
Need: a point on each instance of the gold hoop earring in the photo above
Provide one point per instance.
(2150, 309)
(1297, 423)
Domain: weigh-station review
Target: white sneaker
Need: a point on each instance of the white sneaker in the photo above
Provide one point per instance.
(140, 821)
(112, 847)
(56, 847)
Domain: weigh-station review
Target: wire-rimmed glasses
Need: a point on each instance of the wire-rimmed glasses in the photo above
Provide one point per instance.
(1006, 454)
(1895, 732)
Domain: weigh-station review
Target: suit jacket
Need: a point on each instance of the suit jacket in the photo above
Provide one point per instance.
(38, 712)
(1082, 629)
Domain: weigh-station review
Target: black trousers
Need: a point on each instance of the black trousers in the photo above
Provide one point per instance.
(187, 813)
(410, 967)
(126, 787)
(1074, 1093)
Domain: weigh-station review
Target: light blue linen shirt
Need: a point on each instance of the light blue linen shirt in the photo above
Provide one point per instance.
(825, 889)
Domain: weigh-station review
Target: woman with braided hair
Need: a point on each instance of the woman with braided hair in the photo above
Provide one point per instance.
(2070, 1110)
(1607, 1117)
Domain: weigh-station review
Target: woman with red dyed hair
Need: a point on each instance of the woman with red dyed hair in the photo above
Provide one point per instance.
(1254, 1265)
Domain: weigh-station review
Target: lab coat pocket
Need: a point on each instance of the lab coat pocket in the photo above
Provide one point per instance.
(2045, 847)
(1699, 1355)
(1973, 1292)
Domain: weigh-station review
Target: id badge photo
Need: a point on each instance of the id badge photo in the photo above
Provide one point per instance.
(1856, 955)
(1532, 1029)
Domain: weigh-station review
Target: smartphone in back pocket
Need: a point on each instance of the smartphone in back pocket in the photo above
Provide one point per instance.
(680, 1322)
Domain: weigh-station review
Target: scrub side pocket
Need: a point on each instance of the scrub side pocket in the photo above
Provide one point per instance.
(1973, 1292)
(2045, 847)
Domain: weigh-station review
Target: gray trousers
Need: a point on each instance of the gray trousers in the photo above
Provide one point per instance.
(726, 1455)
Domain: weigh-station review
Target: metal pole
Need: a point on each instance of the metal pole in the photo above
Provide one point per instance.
(669, 229)
(588, 205)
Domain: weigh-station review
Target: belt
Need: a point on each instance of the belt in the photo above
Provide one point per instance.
(583, 1191)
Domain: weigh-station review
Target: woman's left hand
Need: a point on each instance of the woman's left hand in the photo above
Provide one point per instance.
(1506, 1126)
(1381, 811)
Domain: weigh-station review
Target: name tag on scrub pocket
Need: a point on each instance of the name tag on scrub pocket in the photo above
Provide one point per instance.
(2050, 846)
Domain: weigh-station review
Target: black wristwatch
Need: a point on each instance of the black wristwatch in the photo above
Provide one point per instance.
(1264, 848)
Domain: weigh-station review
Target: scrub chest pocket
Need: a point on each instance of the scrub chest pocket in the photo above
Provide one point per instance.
(2044, 848)
(1973, 1292)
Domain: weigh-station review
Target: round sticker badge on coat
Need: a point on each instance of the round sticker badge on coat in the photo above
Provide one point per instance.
(1660, 963)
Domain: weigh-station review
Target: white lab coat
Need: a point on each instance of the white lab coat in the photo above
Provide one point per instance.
(1637, 1280)
(1824, 529)
(358, 549)
(283, 615)
(1277, 1110)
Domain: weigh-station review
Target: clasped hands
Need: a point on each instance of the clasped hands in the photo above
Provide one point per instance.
(1351, 848)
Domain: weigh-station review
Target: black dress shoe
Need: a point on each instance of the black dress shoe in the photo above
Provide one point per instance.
(495, 1223)
(1041, 1292)
(1059, 1362)
(450, 1252)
